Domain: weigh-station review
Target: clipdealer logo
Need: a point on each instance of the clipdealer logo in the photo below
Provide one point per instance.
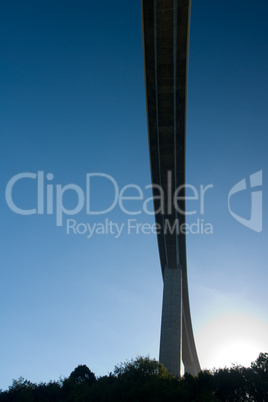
(51, 200)
(255, 220)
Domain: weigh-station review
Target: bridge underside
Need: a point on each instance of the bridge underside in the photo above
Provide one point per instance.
(165, 41)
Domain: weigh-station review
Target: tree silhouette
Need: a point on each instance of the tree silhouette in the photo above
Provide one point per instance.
(82, 374)
(146, 380)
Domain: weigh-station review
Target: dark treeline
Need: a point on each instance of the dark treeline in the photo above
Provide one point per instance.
(146, 380)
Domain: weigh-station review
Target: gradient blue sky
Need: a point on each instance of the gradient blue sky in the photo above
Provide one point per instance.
(72, 103)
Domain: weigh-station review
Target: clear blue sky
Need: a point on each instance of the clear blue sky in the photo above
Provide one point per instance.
(73, 102)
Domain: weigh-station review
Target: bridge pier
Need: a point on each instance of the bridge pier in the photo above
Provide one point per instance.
(171, 325)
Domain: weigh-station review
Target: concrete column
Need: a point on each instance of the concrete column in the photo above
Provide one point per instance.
(171, 326)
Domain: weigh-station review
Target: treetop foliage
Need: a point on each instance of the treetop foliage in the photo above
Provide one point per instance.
(145, 379)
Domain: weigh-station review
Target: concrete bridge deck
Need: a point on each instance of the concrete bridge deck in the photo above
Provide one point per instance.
(166, 42)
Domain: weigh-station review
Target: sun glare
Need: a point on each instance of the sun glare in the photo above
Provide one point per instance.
(241, 352)
(231, 339)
